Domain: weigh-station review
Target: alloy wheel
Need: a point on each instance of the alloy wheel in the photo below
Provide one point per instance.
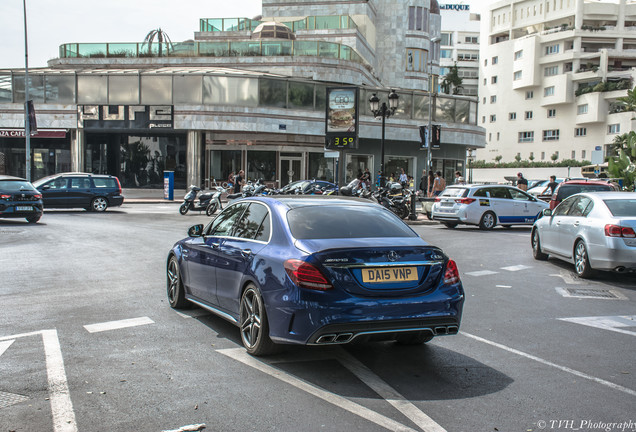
(250, 318)
(580, 258)
(173, 281)
(99, 204)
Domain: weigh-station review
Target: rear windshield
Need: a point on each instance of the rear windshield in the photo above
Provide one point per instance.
(454, 192)
(104, 182)
(325, 222)
(622, 207)
(15, 186)
(567, 190)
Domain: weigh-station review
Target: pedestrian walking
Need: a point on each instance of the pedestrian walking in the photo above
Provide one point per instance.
(431, 182)
(424, 183)
(458, 175)
(239, 179)
(551, 187)
(439, 184)
(403, 178)
(522, 183)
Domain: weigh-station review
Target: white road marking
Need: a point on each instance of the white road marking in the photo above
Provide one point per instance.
(115, 325)
(567, 277)
(61, 405)
(339, 401)
(481, 273)
(4, 345)
(516, 268)
(612, 323)
(388, 393)
(503, 286)
(554, 365)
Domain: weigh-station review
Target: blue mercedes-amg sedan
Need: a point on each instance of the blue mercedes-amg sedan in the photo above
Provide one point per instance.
(317, 271)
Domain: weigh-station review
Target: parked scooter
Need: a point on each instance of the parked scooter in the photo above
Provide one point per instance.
(215, 202)
(189, 200)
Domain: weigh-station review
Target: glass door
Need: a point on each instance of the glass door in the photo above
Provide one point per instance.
(291, 169)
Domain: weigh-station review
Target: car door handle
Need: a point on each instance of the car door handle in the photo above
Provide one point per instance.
(246, 253)
(577, 223)
(216, 245)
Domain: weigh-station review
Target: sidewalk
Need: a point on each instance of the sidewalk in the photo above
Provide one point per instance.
(155, 196)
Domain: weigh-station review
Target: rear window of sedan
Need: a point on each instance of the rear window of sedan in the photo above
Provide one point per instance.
(621, 207)
(567, 190)
(15, 186)
(454, 192)
(326, 222)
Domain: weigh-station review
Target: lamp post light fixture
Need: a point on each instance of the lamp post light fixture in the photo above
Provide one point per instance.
(384, 112)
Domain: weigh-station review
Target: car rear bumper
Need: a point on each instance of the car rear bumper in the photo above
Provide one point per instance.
(116, 200)
(613, 256)
(308, 320)
(10, 211)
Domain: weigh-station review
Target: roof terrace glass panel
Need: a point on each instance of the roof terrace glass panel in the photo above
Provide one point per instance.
(36, 88)
(445, 110)
(306, 48)
(91, 50)
(222, 90)
(123, 89)
(230, 24)
(214, 49)
(301, 95)
(6, 88)
(92, 89)
(321, 97)
(328, 50)
(123, 50)
(60, 89)
(405, 104)
(420, 107)
(272, 93)
(245, 49)
(327, 22)
(184, 49)
(212, 24)
(278, 48)
(69, 51)
(156, 89)
(462, 108)
(187, 89)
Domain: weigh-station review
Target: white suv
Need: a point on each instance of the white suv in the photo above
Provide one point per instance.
(486, 206)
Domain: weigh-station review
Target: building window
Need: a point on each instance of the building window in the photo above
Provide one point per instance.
(529, 94)
(483, 119)
(493, 99)
(548, 91)
(471, 40)
(551, 71)
(493, 118)
(498, 135)
(416, 59)
(580, 132)
(551, 113)
(467, 57)
(517, 75)
(614, 128)
(573, 154)
(542, 155)
(485, 81)
(583, 154)
(551, 135)
(445, 53)
(552, 49)
(518, 54)
(495, 60)
(490, 136)
(581, 109)
(526, 137)
(484, 102)
(418, 18)
(512, 116)
(447, 39)
(493, 80)
(485, 62)
(528, 115)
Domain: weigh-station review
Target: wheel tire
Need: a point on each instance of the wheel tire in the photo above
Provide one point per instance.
(537, 253)
(253, 323)
(176, 294)
(488, 221)
(209, 211)
(33, 219)
(99, 204)
(581, 261)
(450, 225)
(414, 339)
(184, 208)
(403, 212)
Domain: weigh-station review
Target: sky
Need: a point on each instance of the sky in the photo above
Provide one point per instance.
(53, 23)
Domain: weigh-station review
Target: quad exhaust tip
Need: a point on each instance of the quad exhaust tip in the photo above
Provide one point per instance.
(342, 338)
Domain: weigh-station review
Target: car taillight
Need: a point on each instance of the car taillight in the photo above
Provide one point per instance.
(452, 273)
(118, 185)
(465, 200)
(306, 275)
(619, 231)
(37, 196)
(5, 196)
(437, 199)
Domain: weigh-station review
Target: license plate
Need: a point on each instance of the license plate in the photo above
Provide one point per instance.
(389, 274)
(447, 203)
(24, 208)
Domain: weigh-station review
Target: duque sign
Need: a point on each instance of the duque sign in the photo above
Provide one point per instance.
(125, 116)
(455, 7)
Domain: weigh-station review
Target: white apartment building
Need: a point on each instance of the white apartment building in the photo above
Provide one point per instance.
(542, 68)
(460, 45)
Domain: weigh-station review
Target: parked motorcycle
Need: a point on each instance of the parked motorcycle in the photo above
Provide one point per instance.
(251, 189)
(189, 200)
(394, 198)
(215, 202)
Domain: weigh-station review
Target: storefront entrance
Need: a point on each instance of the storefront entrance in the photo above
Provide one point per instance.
(291, 168)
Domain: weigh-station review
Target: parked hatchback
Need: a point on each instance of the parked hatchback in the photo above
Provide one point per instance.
(94, 192)
(486, 206)
(19, 199)
(571, 187)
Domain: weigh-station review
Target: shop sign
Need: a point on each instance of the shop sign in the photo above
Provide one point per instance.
(341, 122)
(125, 116)
(455, 7)
(41, 133)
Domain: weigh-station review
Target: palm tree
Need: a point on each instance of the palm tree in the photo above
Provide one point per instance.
(161, 36)
(452, 81)
(628, 103)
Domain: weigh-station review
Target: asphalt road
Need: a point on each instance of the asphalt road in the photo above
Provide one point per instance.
(89, 343)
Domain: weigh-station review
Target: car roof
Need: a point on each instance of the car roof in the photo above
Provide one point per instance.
(582, 182)
(297, 201)
(609, 195)
(8, 177)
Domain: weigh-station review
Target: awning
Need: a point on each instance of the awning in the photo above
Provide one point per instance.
(41, 133)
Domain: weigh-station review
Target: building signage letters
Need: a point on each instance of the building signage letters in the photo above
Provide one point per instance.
(456, 7)
(125, 116)
(42, 133)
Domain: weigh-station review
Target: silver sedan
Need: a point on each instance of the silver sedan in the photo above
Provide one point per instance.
(594, 231)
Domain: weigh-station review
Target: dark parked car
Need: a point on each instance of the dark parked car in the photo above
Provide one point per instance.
(570, 187)
(316, 270)
(19, 199)
(307, 187)
(94, 192)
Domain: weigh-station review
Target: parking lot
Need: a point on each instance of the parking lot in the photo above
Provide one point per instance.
(88, 342)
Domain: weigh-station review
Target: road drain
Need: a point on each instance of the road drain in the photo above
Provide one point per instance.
(590, 293)
(8, 399)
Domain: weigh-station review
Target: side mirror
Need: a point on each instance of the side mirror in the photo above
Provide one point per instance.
(547, 212)
(195, 230)
(46, 187)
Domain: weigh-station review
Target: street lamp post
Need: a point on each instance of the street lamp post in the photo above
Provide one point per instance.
(429, 156)
(27, 126)
(383, 111)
